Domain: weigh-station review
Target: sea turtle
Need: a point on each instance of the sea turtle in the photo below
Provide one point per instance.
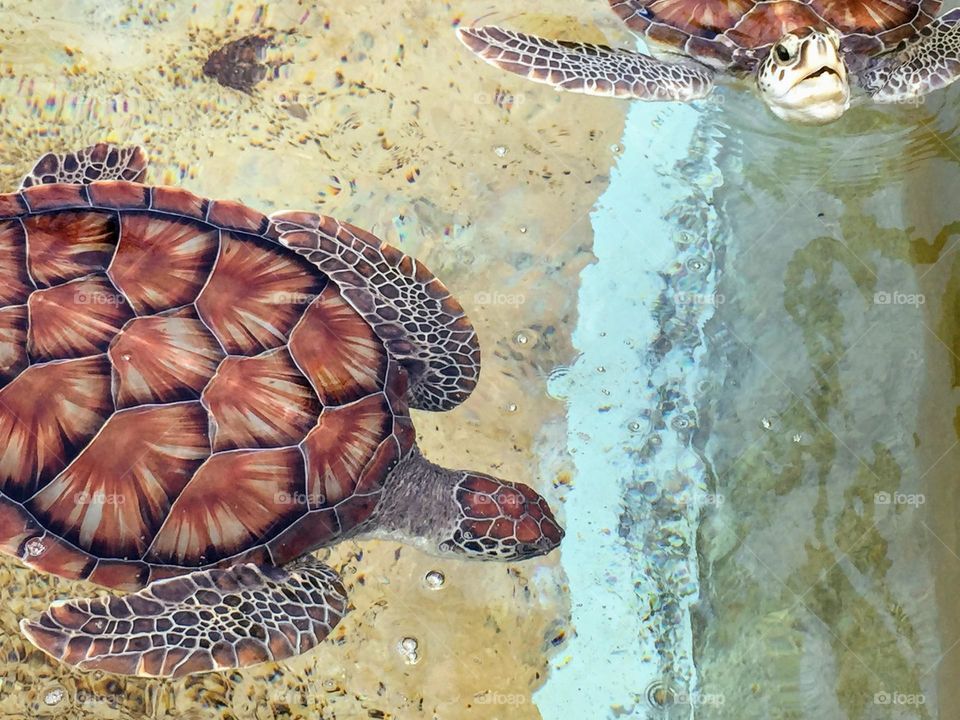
(194, 397)
(803, 54)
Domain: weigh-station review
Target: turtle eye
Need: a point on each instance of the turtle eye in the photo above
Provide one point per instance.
(783, 53)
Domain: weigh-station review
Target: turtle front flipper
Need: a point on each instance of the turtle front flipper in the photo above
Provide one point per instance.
(419, 321)
(930, 63)
(102, 161)
(586, 68)
(207, 620)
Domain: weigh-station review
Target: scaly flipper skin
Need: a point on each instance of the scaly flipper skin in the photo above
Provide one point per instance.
(586, 68)
(930, 63)
(102, 161)
(207, 620)
(421, 324)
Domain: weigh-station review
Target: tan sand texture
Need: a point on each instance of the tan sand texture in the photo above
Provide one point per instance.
(371, 112)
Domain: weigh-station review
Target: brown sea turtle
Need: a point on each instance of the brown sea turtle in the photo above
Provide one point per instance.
(804, 55)
(194, 396)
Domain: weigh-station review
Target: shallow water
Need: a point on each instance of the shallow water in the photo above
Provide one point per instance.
(377, 117)
(830, 438)
(723, 347)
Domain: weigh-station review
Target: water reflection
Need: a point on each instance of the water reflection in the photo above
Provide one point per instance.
(823, 562)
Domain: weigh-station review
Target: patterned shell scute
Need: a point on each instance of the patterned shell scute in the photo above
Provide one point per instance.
(717, 31)
(178, 390)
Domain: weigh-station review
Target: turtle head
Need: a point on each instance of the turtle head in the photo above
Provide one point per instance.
(500, 520)
(804, 77)
(463, 514)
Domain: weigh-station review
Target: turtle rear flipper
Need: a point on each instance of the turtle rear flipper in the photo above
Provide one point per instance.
(586, 68)
(419, 321)
(208, 620)
(102, 161)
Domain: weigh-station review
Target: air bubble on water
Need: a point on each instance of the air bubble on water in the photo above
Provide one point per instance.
(680, 422)
(674, 540)
(557, 382)
(601, 369)
(797, 437)
(35, 547)
(500, 150)
(408, 648)
(634, 426)
(697, 264)
(53, 696)
(512, 407)
(434, 579)
(126, 356)
(660, 695)
(523, 229)
(616, 147)
(766, 423)
(521, 339)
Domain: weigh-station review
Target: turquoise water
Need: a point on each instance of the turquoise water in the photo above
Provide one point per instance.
(761, 406)
(631, 554)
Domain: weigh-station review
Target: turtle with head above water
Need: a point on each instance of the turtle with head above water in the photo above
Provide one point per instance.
(194, 397)
(806, 57)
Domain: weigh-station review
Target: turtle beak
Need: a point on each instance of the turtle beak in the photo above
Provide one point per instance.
(825, 70)
(822, 65)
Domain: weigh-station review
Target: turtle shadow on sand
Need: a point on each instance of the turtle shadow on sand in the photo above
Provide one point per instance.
(241, 64)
